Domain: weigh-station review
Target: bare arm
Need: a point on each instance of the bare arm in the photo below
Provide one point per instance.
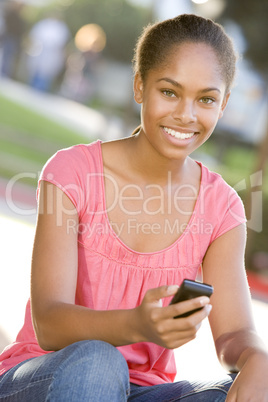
(231, 318)
(238, 345)
(57, 320)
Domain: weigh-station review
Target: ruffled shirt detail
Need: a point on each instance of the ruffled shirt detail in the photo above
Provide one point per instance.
(113, 276)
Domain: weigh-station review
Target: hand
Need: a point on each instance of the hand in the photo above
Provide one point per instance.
(251, 384)
(157, 324)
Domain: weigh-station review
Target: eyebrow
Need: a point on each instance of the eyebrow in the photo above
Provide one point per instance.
(178, 85)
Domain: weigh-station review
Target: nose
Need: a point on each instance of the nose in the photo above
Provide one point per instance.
(184, 111)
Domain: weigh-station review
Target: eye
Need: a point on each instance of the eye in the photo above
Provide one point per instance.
(168, 93)
(207, 100)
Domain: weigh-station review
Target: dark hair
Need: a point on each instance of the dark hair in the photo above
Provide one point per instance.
(158, 39)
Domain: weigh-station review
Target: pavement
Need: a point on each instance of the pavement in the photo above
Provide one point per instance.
(197, 359)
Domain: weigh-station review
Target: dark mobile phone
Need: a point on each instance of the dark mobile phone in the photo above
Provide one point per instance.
(188, 290)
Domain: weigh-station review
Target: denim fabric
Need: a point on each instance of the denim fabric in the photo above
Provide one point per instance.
(94, 371)
(83, 371)
(213, 391)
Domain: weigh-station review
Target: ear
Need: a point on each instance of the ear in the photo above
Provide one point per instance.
(224, 104)
(138, 88)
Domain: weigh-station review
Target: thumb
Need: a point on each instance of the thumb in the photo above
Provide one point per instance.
(154, 295)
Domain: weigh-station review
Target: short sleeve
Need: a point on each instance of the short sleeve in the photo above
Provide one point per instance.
(67, 170)
(220, 207)
(230, 210)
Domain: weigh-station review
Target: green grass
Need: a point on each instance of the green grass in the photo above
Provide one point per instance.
(24, 119)
(28, 139)
(235, 163)
(237, 167)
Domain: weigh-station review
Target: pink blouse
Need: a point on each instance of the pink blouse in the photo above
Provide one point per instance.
(113, 276)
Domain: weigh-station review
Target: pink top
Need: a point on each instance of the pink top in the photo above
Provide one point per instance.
(113, 276)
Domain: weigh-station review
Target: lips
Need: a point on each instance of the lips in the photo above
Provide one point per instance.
(179, 135)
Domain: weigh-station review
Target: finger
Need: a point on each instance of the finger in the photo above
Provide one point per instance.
(186, 332)
(154, 295)
(179, 338)
(179, 329)
(188, 306)
(191, 322)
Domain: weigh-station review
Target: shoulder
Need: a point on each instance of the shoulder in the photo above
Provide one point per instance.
(75, 171)
(220, 202)
(214, 185)
(78, 151)
(209, 176)
(115, 156)
(77, 157)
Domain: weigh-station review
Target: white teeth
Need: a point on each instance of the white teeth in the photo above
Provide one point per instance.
(176, 134)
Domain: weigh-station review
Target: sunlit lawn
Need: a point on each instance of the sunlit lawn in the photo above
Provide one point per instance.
(28, 139)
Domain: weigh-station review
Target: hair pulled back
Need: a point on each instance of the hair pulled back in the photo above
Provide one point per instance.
(159, 39)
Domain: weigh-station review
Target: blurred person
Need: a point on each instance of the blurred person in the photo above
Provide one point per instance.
(120, 225)
(11, 38)
(79, 80)
(84, 62)
(48, 39)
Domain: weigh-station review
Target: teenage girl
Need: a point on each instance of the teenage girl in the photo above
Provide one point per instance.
(120, 225)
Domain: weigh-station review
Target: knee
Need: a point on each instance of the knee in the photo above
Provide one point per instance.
(98, 354)
(94, 366)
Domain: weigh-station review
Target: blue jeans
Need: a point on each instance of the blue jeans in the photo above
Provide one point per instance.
(94, 371)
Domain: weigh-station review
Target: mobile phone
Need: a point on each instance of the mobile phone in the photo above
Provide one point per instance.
(188, 290)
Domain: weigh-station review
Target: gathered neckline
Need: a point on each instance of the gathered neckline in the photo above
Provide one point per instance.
(111, 230)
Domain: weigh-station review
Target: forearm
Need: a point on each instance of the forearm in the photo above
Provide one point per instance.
(64, 324)
(234, 349)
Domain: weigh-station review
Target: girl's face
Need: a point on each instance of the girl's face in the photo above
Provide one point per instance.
(182, 100)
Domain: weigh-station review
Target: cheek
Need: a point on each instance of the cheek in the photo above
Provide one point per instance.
(155, 109)
(210, 118)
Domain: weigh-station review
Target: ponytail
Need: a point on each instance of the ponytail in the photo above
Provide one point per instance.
(137, 129)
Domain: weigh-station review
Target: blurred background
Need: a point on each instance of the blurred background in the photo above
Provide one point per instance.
(66, 78)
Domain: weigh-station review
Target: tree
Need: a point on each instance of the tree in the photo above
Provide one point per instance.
(121, 22)
(252, 18)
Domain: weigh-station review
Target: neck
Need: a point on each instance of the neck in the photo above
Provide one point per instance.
(152, 166)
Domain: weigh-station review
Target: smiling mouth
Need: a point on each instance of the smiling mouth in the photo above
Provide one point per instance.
(177, 134)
